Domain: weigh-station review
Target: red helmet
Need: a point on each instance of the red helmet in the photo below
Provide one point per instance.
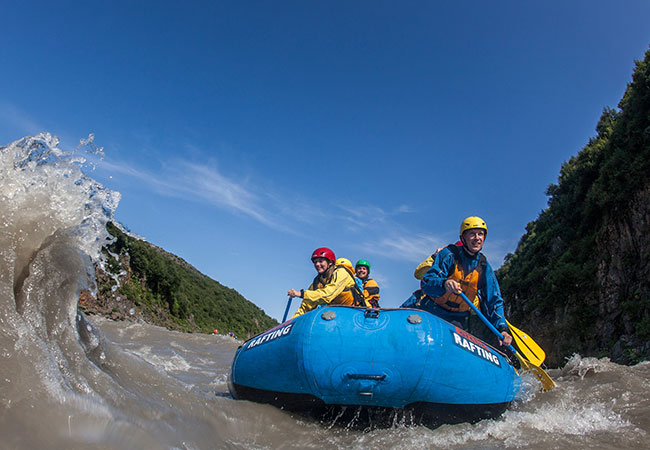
(323, 252)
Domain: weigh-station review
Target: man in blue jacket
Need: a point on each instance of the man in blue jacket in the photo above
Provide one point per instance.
(464, 269)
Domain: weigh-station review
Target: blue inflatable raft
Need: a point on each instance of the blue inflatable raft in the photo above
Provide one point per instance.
(378, 358)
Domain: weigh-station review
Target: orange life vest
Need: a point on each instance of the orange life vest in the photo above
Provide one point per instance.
(468, 282)
(371, 292)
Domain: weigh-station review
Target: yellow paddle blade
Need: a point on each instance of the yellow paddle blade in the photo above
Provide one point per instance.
(542, 376)
(529, 348)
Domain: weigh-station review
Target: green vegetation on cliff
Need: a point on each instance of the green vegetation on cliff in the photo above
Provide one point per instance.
(169, 292)
(561, 282)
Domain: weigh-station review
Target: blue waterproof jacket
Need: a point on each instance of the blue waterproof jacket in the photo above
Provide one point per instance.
(491, 302)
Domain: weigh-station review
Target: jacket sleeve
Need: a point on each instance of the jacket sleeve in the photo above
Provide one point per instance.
(322, 296)
(491, 300)
(433, 282)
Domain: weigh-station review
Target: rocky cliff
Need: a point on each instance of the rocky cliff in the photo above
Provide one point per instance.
(623, 275)
(578, 280)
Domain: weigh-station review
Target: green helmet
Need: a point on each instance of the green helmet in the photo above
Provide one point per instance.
(362, 262)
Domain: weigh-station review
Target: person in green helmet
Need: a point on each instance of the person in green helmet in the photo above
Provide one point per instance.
(370, 286)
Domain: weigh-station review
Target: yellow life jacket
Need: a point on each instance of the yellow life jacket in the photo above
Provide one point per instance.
(425, 265)
(350, 296)
(468, 282)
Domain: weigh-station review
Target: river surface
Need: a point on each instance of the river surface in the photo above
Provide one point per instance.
(68, 381)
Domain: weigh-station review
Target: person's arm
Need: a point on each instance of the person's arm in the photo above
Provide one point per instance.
(304, 307)
(433, 282)
(295, 293)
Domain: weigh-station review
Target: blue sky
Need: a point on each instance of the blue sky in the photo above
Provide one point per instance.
(242, 135)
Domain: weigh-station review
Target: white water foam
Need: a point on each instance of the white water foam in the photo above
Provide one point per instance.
(169, 362)
(37, 173)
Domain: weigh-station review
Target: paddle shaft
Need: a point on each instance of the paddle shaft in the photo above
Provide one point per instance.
(543, 377)
(286, 311)
(486, 322)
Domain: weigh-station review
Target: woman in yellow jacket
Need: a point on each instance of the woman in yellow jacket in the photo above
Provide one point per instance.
(334, 284)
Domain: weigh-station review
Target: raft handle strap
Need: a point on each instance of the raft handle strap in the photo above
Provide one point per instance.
(364, 376)
(371, 314)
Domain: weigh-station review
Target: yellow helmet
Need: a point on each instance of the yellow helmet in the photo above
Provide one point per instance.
(471, 223)
(345, 262)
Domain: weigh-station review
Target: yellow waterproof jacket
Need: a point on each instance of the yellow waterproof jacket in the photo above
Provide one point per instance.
(371, 292)
(337, 291)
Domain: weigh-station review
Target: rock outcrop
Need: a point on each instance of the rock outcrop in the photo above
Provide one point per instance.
(578, 281)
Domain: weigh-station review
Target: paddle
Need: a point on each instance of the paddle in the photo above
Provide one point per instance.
(286, 311)
(528, 348)
(543, 377)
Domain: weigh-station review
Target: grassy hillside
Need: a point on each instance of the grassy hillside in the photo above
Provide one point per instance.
(146, 282)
